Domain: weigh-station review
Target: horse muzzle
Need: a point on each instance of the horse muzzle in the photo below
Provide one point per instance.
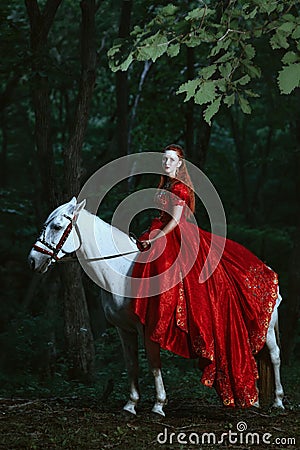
(39, 264)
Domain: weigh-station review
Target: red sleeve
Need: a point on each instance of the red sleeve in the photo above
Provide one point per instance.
(181, 195)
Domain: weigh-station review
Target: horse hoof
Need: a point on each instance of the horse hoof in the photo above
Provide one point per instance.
(158, 409)
(130, 407)
(278, 404)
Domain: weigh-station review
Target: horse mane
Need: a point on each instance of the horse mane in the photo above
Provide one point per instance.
(116, 231)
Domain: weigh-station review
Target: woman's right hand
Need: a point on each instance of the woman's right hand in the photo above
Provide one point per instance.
(143, 245)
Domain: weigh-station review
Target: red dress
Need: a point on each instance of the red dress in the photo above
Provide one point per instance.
(222, 321)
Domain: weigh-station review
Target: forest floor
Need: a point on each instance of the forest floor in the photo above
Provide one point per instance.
(82, 423)
(61, 414)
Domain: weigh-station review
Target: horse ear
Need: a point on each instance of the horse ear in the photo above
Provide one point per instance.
(79, 207)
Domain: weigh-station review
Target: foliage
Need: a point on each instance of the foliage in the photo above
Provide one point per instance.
(228, 40)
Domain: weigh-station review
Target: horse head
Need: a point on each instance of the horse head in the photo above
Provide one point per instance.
(58, 236)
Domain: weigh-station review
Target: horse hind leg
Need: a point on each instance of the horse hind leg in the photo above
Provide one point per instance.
(129, 342)
(153, 355)
(273, 348)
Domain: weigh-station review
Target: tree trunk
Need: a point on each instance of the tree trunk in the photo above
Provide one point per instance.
(78, 333)
(5, 98)
(122, 84)
(145, 71)
(204, 133)
(189, 116)
(258, 208)
(3, 158)
(238, 133)
(40, 25)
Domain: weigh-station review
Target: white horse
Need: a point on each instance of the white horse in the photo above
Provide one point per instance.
(71, 228)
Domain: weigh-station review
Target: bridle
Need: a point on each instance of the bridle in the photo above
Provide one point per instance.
(53, 251)
(50, 249)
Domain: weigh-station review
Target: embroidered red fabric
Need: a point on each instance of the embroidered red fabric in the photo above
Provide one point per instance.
(224, 321)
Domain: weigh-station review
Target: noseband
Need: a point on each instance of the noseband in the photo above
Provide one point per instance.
(54, 250)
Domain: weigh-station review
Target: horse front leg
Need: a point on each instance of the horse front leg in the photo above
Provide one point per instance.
(275, 358)
(129, 342)
(153, 355)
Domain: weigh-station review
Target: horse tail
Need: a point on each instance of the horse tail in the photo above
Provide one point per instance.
(266, 381)
(276, 328)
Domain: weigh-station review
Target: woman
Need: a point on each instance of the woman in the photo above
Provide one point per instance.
(222, 321)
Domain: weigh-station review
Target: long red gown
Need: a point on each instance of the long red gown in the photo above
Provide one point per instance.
(222, 321)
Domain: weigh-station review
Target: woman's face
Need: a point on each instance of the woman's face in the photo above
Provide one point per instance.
(170, 163)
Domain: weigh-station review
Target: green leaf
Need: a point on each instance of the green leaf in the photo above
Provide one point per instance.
(289, 17)
(251, 93)
(228, 56)
(279, 40)
(197, 37)
(245, 106)
(169, 10)
(211, 110)
(249, 50)
(287, 27)
(206, 93)
(137, 30)
(229, 100)
(253, 71)
(153, 47)
(267, 6)
(243, 80)
(117, 58)
(252, 14)
(257, 33)
(189, 88)
(289, 78)
(221, 84)
(207, 72)
(125, 64)
(192, 41)
(173, 50)
(225, 69)
(113, 50)
(290, 57)
(224, 44)
(198, 13)
(296, 32)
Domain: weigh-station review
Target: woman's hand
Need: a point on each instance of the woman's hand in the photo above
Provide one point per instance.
(146, 244)
(143, 245)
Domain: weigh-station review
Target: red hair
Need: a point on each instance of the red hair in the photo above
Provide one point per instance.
(181, 175)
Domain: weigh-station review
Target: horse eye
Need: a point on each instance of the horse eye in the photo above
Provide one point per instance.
(56, 227)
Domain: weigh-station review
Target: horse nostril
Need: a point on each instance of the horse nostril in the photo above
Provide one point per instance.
(31, 263)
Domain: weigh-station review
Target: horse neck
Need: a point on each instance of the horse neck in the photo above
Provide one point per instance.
(99, 237)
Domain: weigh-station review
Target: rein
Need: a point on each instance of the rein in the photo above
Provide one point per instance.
(54, 250)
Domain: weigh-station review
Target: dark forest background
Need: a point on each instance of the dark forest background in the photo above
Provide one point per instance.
(64, 113)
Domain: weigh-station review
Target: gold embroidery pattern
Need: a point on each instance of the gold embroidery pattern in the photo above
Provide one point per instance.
(181, 317)
(262, 283)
